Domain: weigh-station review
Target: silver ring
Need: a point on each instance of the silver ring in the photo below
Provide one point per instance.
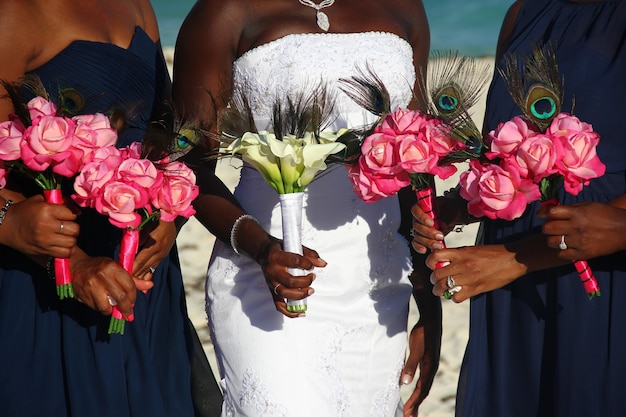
(276, 287)
(111, 301)
(412, 232)
(152, 269)
(450, 281)
(61, 228)
(562, 245)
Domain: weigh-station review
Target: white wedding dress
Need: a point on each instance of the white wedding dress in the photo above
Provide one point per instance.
(344, 358)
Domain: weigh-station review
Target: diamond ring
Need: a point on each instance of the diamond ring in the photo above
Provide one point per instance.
(562, 245)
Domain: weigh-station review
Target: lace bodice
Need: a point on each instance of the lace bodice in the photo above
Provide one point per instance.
(288, 63)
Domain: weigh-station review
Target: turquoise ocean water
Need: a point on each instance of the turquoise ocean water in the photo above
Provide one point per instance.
(469, 26)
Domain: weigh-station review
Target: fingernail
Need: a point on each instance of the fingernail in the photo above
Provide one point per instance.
(311, 291)
(437, 246)
(302, 315)
(131, 318)
(406, 379)
(313, 277)
(439, 236)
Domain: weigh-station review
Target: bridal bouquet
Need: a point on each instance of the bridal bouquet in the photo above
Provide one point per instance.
(40, 142)
(531, 156)
(289, 156)
(133, 191)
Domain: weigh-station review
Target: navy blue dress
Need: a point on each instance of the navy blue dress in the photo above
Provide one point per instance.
(539, 346)
(57, 358)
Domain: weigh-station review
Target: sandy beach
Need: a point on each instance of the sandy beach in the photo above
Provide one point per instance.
(195, 244)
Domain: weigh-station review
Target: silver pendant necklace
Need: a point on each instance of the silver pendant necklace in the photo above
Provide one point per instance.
(322, 19)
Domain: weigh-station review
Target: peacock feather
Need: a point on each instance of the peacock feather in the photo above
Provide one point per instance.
(452, 85)
(535, 85)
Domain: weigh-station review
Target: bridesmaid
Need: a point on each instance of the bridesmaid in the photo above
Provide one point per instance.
(58, 359)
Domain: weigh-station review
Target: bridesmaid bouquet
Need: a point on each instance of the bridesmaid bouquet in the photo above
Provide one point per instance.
(531, 156)
(133, 191)
(407, 148)
(525, 165)
(45, 145)
(289, 156)
(413, 147)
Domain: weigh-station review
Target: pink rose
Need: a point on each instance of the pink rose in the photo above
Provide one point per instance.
(417, 156)
(93, 131)
(177, 192)
(577, 159)
(47, 142)
(402, 121)
(508, 137)
(438, 135)
(11, 133)
(536, 157)
(4, 172)
(39, 107)
(496, 192)
(90, 182)
(107, 154)
(567, 125)
(134, 151)
(140, 172)
(120, 200)
(371, 186)
(378, 153)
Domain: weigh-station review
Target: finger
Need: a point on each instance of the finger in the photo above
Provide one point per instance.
(313, 257)
(124, 296)
(67, 228)
(421, 216)
(143, 285)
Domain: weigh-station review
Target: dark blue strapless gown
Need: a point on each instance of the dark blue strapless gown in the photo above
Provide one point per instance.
(57, 359)
(539, 346)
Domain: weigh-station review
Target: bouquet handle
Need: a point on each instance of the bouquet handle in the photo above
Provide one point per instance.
(62, 273)
(426, 201)
(291, 214)
(128, 250)
(590, 283)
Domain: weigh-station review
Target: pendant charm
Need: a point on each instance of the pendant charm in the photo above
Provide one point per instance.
(322, 21)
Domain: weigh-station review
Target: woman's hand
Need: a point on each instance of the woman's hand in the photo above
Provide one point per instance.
(451, 211)
(275, 263)
(588, 229)
(475, 269)
(156, 244)
(94, 279)
(424, 346)
(36, 228)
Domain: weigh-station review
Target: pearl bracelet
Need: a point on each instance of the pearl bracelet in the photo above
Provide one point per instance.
(233, 231)
(4, 209)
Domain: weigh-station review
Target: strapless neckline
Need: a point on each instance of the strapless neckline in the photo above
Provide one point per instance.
(139, 38)
(348, 35)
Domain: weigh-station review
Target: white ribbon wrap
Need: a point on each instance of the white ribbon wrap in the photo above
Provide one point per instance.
(291, 214)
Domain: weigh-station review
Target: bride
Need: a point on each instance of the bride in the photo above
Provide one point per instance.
(346, 355)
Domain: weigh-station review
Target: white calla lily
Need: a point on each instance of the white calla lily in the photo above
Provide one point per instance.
(255, 150)
(288, 165)
(314, 157)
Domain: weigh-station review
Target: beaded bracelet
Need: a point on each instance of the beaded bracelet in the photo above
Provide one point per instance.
(4, 209)
(233, 231)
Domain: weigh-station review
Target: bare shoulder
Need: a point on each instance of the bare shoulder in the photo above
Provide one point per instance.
(147, 18)
(214, 16)
(18, 37)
